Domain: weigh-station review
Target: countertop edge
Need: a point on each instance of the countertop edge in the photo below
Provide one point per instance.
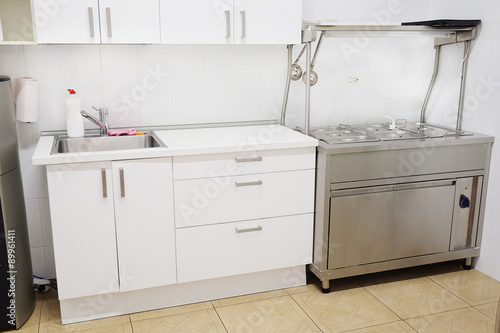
(288, 140)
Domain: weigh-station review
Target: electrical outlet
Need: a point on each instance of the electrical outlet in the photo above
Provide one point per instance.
(352, 79)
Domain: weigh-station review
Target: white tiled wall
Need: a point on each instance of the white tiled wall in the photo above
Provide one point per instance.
(174, 84)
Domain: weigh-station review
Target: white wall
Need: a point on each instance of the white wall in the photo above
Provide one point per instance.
(217, 83)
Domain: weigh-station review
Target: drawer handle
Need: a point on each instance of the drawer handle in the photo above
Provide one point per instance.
(257, 228)
(122, 183)
(255, 183)
(91, 21)
(249, 159)
(108, 18)
(243, 24)
(228, 23)
(104, 183)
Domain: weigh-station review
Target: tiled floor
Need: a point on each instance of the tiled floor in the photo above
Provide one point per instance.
(437, 298)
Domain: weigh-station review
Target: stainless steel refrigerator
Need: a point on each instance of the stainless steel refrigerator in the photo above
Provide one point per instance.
(17, 299)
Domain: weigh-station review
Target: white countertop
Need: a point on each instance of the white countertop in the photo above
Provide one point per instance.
(181, 142)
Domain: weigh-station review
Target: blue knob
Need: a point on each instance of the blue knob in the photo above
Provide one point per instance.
(464, 201)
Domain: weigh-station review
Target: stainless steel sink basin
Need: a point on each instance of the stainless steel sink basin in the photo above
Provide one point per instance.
(63, 144)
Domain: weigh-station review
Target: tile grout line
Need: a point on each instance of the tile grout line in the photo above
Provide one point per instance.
(381, 301)
(218, 315)
(307, 314)
(451, 292)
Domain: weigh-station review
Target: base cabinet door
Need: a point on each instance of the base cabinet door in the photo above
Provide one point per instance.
(386, 225)
(145, 231)
(83, 228)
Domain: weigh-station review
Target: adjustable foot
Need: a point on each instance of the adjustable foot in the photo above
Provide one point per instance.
(325, 286)
(467, 265)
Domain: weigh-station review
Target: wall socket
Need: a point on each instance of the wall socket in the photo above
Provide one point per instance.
(352, 79)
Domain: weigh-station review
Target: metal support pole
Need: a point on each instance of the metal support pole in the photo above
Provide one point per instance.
(287, 86)
(308, 86)
(462, 85)
(431, 85)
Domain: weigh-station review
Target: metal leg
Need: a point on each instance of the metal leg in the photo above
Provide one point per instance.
(462, 85)
(431, 85)
(325, 286)
(467, 263)
(287, 86)
(308, 87)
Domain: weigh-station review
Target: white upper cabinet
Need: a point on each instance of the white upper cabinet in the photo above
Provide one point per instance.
(97, 21)
(16, 24)
(231, 21)
(135, 22)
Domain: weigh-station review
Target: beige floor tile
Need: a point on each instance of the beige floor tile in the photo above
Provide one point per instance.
(249, 298)
(50, 321)
(342, 310)
(277, 315)
(415, 297)
(171, 311)
(190, 322)
(467, 320)
(397, 327)
(304, 289)
(472, 286)
(489, 309)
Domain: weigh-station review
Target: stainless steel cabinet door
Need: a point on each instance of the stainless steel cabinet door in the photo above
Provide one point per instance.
(392, 224)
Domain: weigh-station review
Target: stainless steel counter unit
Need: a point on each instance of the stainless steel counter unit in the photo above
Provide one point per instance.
(395, 198)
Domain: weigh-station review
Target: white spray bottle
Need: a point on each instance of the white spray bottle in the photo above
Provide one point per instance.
(74, 120)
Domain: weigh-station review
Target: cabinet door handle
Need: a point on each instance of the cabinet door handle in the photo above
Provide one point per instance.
(257, 182)
(228, 23)
(249, 159)
(91, 21)
(108, 18)
(104, 183)
(257, 228)
(243, 24)
(122, 182)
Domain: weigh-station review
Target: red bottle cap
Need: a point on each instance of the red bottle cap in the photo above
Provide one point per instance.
(71, 91)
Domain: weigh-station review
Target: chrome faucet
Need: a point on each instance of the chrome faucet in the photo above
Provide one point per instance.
(102, 122)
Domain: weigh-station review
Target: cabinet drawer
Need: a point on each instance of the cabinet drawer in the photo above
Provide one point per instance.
(243, 162)
(243, 247)
(228, 199)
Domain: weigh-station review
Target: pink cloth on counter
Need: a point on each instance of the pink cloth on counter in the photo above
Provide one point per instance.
(121, 132)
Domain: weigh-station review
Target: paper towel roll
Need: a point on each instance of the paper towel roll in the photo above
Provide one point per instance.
(25, 90)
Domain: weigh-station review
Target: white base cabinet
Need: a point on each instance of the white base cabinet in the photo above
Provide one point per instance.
(113, 226)
(83, 228)
(244, 212)
(120, 233)
(145, 233)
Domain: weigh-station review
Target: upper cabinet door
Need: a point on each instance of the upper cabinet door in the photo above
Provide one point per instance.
(129, 22)
(267, 22)
(74, 21)
(196, 22)
(97, 21)
(231, 22)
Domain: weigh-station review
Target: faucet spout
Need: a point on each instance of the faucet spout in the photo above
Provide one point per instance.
(102, 122)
